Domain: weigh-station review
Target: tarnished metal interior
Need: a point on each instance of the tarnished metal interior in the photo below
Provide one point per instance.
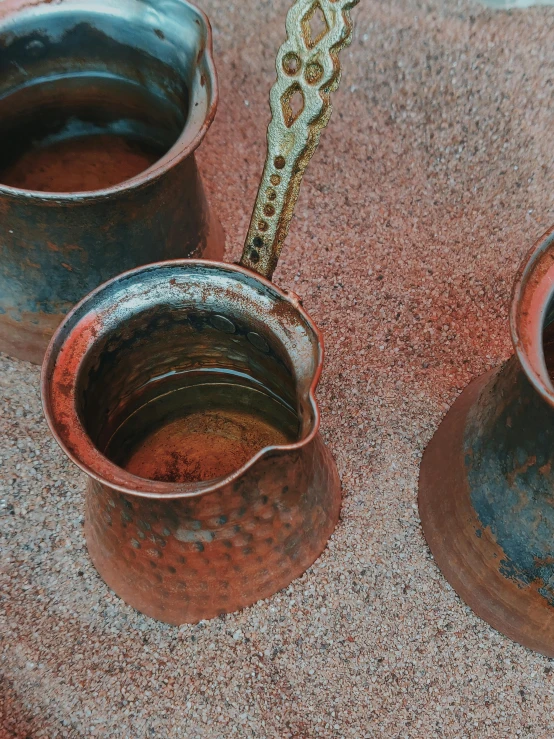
(92, 96)
(185, 383)
(548, 340)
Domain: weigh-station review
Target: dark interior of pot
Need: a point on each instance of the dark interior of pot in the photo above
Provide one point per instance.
(87, 100)
(548, 340)
(188, 395)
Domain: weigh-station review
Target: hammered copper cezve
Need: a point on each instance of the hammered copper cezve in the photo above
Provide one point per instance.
(185, 390)
(486, 486)
(102, 105)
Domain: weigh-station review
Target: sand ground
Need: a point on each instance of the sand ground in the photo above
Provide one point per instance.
(432, 181)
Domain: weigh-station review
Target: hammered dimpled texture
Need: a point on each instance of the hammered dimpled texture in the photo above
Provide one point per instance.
(188, 559)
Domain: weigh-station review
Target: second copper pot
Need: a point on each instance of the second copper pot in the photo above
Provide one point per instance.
(102, 105)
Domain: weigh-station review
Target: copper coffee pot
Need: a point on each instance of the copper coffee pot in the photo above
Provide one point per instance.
(486, 485)
(102, 106)
(185, 391)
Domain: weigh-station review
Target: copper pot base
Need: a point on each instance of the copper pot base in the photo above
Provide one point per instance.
(468, 553)
(183, 561)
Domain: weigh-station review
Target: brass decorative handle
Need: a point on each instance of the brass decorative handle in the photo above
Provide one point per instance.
(308, 70)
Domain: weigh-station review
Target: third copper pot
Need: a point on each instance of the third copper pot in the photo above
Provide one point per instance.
(486, 485)
(102, 105)
(185, 390)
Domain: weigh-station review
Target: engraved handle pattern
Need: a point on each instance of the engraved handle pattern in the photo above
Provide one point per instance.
(308, 70)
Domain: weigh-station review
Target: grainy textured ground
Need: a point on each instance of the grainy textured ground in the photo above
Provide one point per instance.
(432, 181)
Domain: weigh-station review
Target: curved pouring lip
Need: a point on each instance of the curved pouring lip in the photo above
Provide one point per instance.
(189, 139)
(532, 294)
(97, 465)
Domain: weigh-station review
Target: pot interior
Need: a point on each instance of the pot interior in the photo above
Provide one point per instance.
(190, 372)
(92, 94)
(548, 339)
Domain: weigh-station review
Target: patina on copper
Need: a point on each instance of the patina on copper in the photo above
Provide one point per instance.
(486, 487)
(102, 105)
(185, 390)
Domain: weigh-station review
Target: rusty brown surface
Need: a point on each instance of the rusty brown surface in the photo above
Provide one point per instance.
(27, 339)
(192, 559)
(203, 446)
(77, 165)
(467, 553)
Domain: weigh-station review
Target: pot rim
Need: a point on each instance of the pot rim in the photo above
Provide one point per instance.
(532, 295)
(97, 466)
(181, 149)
